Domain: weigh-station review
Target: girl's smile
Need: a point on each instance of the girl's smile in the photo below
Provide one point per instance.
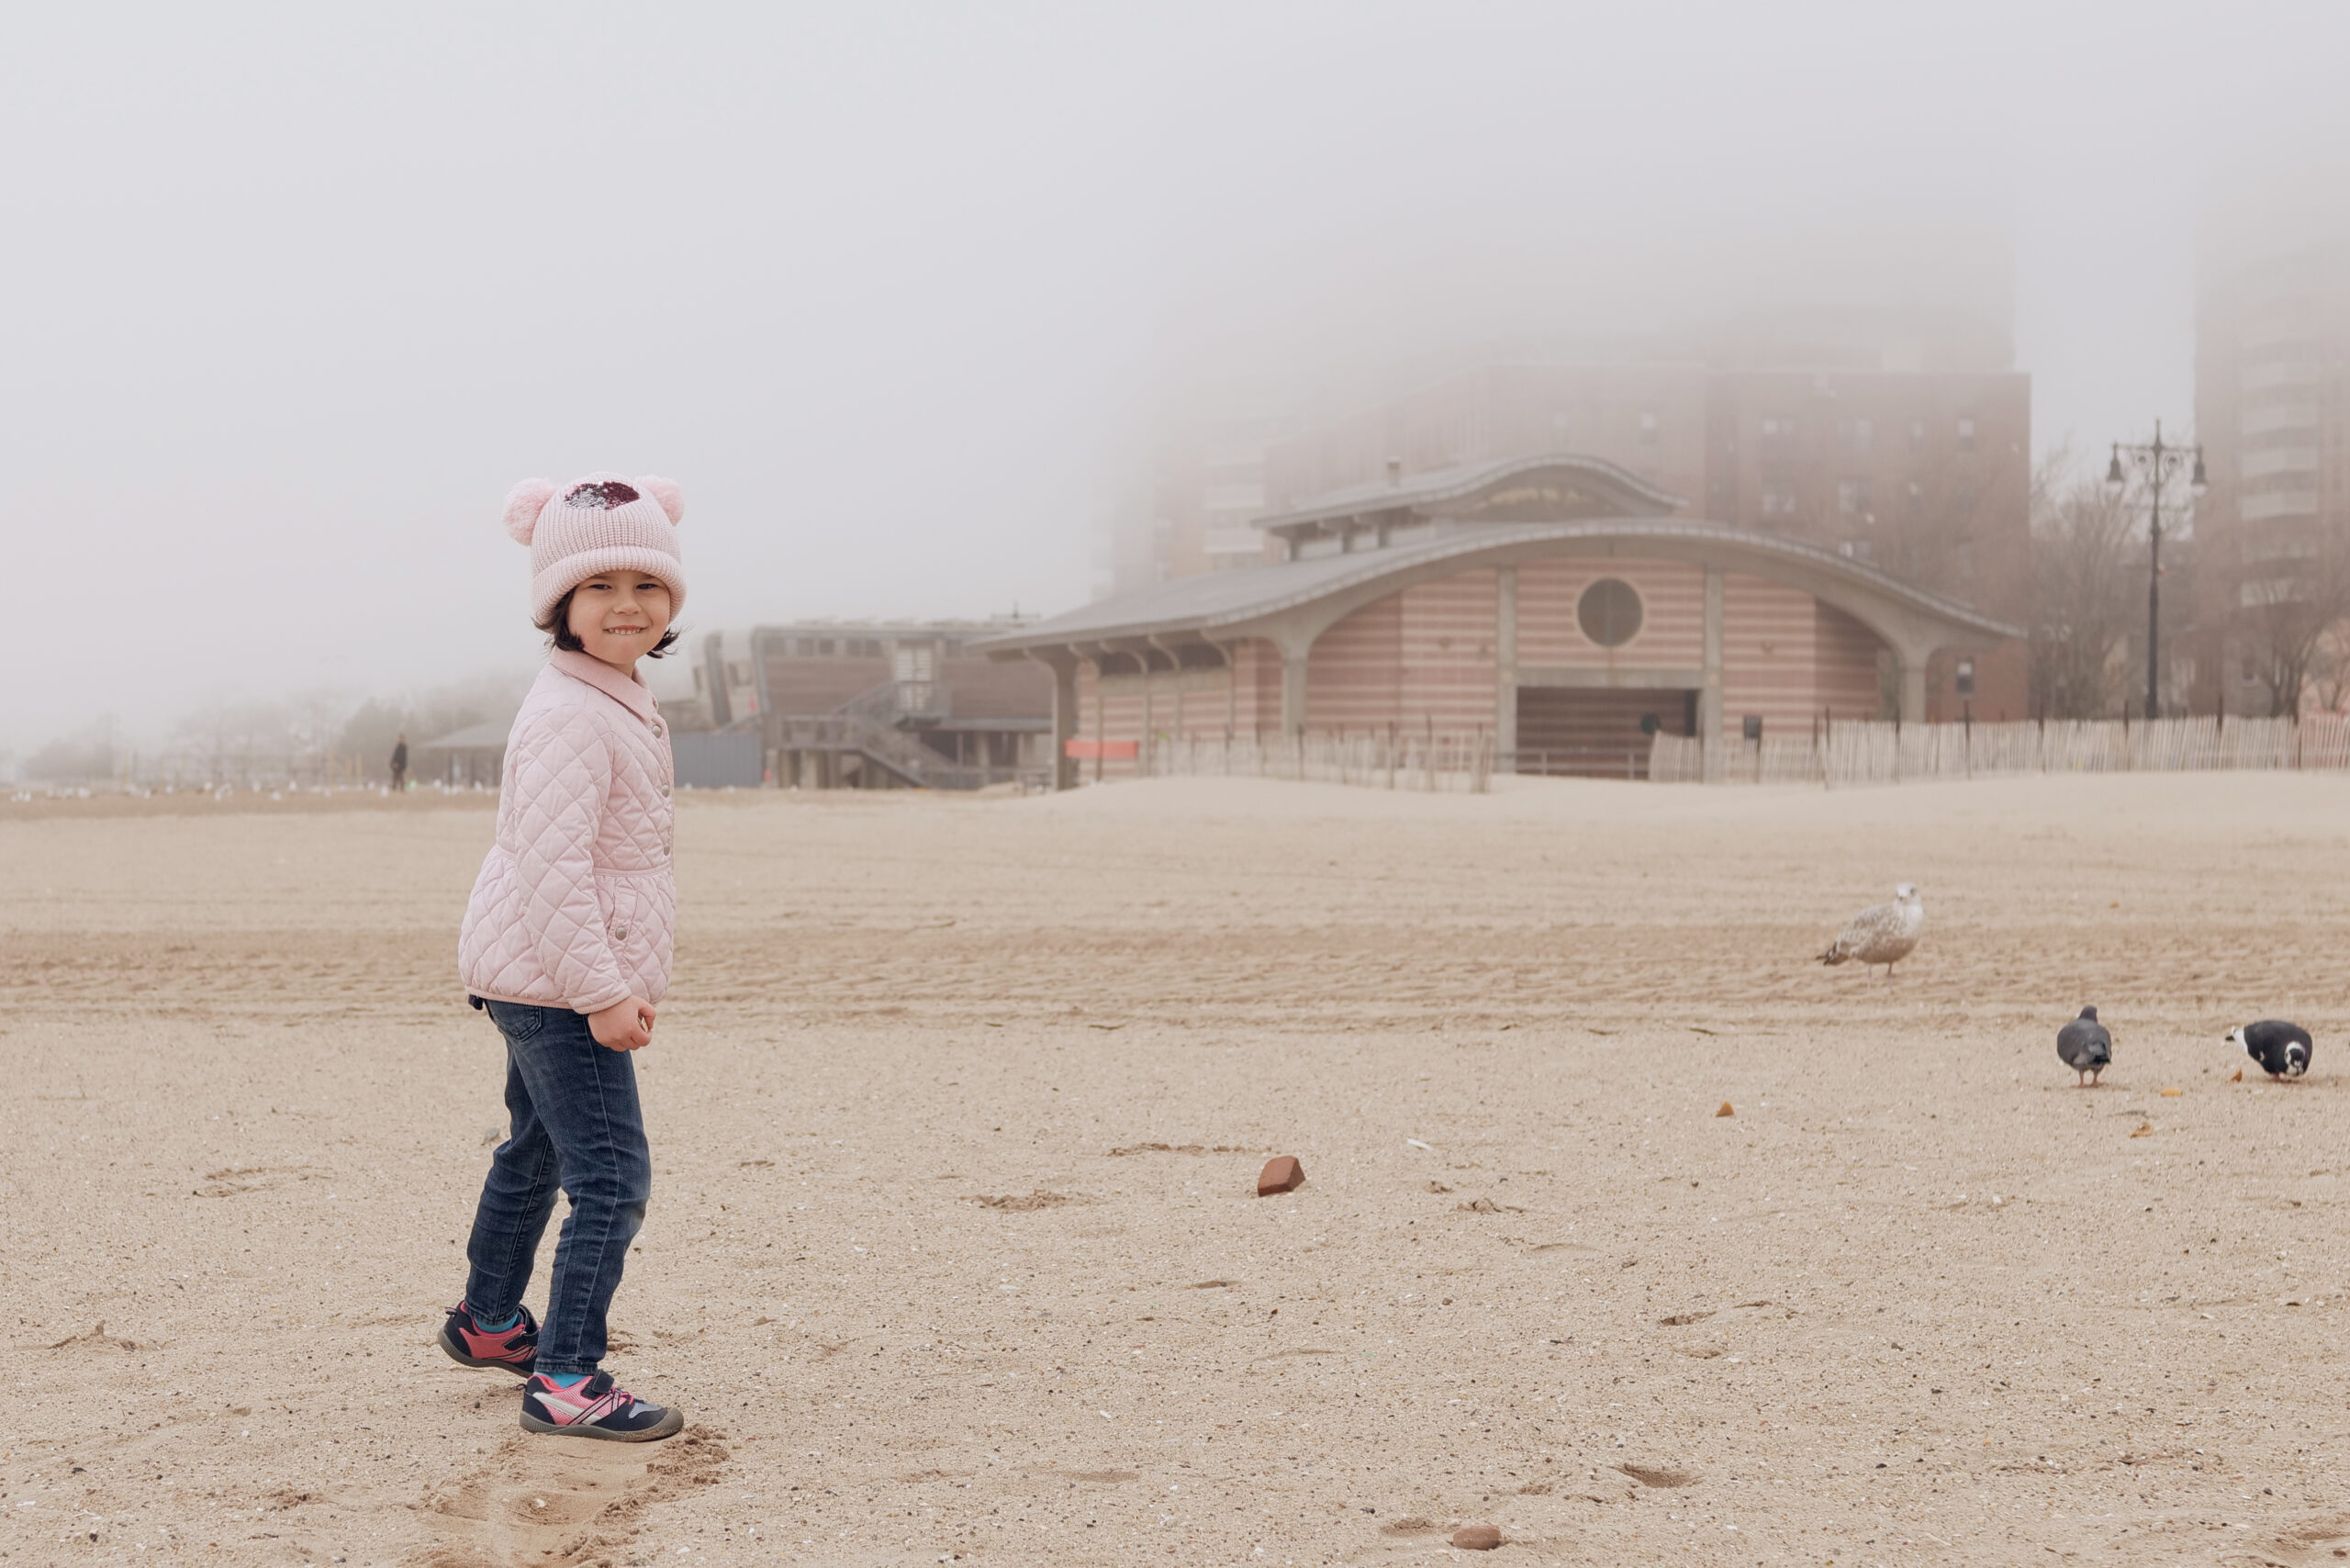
(619, 616)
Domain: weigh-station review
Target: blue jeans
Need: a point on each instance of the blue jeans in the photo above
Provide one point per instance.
(575, 1124)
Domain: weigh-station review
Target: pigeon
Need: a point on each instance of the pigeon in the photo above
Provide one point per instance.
(1883, 934)
(2282, 1049)
(2085, 1046)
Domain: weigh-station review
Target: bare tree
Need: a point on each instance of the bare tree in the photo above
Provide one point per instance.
(368, 732)
(84, 757)
(2290, 611)
(2329, 675)
(2084, 590)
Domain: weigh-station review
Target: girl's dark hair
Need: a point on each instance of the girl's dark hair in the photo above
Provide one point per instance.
(558, 626)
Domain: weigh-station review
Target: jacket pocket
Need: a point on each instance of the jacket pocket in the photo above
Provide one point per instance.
(623, 909)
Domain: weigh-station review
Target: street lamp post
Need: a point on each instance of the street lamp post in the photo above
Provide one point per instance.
(2160, 462)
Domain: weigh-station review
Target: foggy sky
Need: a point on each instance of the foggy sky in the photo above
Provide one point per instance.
(293, 294)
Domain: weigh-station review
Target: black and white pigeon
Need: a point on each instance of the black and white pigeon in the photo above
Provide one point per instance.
(2282, 1049)
(2085, 1047)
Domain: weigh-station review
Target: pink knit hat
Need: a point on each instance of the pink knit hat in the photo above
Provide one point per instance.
(596, 524)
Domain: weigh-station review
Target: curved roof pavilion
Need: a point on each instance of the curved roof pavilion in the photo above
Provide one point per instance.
(1352, 547)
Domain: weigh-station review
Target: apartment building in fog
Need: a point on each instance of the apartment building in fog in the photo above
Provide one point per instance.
(2272, 411)
(1899, 444)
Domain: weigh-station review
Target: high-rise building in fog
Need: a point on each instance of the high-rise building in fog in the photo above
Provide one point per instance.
(2272, 410)
(1899, 440)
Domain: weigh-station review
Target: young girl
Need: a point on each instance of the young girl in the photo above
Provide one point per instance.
(566, 947)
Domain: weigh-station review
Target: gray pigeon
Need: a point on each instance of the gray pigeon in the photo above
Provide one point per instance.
(2085, 1046)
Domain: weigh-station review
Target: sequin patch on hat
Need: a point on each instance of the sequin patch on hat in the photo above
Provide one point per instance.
(601, 495)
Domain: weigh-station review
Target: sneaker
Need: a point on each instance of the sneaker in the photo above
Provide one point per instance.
(594, 1409)
(514, 1348)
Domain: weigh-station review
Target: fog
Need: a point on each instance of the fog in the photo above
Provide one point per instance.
(293, 294)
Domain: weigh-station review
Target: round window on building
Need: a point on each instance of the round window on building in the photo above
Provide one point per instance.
(1609, 612)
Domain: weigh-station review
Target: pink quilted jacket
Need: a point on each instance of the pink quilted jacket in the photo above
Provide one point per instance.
(576, 904)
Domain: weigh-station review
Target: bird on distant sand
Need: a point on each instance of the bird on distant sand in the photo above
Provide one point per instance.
(2282, 1049)
(1883, 934)
(2085, 1046)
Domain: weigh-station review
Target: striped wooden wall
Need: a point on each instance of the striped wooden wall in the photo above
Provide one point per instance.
(1257, 664)
(1770, 642)
(1447, 631)
(1788, 657)
(1355, 678)
(1844, 677)
(1194, 703)
(1425, 657)
(1672, 614)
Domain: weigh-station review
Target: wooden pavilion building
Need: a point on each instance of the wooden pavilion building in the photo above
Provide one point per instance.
(1556, 602)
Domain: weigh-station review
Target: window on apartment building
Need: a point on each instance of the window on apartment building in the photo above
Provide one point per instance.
(1863, 433)
(1962, 501)
(1966, 432)
(1916, 434)
(1853, 497)
(823, 649)
(1963, 553)
(1778, 503)
(1917, 497)
(1778, 426)
(1648, 428)
(1860, 550)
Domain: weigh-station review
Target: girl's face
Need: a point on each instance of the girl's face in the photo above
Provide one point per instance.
(618, 616)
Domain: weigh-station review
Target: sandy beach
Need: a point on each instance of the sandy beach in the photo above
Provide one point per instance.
(957, 1108)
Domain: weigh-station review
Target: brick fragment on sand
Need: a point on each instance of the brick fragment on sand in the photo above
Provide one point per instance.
(1477, 1538)
(2236, 1077)
(1726, 1110)
(1282, 1173)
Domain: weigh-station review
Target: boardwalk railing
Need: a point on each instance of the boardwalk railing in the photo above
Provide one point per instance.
(1463, 764)
(1876, 752)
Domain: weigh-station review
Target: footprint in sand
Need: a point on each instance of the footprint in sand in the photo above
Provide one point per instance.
(575, 1502)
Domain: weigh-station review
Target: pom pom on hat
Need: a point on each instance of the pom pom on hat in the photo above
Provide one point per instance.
(666, 492)
(523, 504)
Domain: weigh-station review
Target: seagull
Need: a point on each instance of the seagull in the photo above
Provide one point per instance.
(2282, 1049)
(1883, 934)
(2085, 1046)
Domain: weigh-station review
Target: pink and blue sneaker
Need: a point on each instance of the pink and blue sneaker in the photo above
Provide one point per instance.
(594, 1407)
(513, 1348)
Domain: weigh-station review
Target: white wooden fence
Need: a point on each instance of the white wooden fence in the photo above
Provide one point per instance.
(1394, 761)
(1845, 752)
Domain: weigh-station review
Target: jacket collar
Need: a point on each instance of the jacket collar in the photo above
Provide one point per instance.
(629, 690)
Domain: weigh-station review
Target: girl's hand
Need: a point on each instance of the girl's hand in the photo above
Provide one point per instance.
(625, 1025)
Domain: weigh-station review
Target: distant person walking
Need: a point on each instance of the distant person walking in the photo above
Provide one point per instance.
(565, 946)
(399, 763)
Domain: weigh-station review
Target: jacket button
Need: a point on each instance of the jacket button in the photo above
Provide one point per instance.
(665, 789)
(619, 933)
(657, 729)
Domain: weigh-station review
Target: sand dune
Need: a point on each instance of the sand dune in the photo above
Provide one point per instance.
(958, 1110)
